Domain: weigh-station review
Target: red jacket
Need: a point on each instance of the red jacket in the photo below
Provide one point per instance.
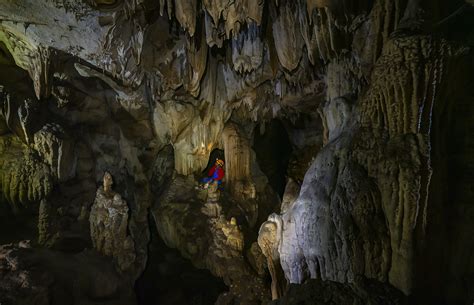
(216, 172)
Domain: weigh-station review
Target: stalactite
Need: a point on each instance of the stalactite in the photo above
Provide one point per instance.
(40, 71)
(57, 150)
(214, 34)
(197, 56)
(24, 179)
(247, 50)
(287, 36)
(215, 9)
(186, 13)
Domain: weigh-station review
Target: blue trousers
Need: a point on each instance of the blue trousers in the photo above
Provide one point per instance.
(210, 179)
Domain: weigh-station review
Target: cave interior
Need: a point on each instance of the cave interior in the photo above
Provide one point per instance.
(236, 152)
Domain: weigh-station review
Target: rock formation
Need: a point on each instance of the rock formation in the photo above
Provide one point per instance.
(42, 276)
(203, 230)
(235, 238)
(345, 126)
(269, 239)
(109, 225)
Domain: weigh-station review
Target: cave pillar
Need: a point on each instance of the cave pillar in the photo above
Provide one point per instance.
(238, 159)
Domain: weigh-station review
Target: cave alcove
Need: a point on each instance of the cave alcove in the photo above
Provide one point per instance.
(216, 153)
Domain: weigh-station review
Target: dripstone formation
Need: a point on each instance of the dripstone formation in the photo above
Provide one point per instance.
(345, 130)
(109, 225)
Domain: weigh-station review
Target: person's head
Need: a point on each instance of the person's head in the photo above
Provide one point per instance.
(220, 162)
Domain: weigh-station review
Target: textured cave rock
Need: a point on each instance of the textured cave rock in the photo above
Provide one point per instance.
(209, 230)
(347, 220)
(345, 127)
(41, 276)
(109, 226)
(327, 292)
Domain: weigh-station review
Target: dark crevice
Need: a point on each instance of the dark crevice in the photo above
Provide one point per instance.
(273, 149)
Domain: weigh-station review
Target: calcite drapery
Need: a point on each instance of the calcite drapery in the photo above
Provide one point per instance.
(287, 36)
(237, 156)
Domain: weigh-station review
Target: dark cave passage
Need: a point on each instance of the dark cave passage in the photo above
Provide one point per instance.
(273, 150)
(170, 279)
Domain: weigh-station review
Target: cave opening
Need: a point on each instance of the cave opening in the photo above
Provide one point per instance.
(170, 279)
(216, 153)
(273, 149)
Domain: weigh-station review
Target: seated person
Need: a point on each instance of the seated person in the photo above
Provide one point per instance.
(216, 173)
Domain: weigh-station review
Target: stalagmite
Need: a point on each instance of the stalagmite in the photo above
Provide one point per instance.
(109, 225)
(269, 238)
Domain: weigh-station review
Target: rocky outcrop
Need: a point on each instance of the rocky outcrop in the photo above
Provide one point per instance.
(109, 226)
(269, 239)
(212, 241)
(361, 206)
